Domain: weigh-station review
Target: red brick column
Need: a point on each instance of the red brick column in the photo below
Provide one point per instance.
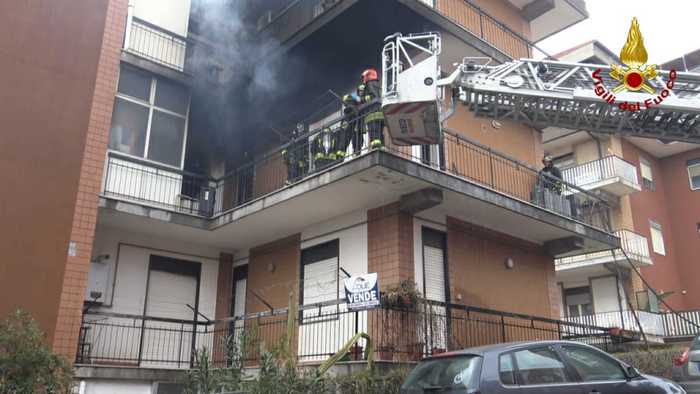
(390, 244)
(85, 217)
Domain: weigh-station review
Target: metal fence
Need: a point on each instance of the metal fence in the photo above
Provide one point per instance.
(660, 324)
(156, 44)
(635, 246)
(398, 334)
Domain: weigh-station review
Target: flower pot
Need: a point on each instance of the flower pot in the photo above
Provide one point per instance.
(356, 352)
(438, 350)
(385, 353)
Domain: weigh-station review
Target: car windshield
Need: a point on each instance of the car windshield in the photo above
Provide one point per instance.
(443, 374)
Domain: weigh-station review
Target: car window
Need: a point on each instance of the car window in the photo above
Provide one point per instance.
(592, 365)
(506, 372)
(457, 372)
(539, 366)
(696, 344)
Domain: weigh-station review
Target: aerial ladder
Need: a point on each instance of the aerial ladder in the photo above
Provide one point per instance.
(417, 98)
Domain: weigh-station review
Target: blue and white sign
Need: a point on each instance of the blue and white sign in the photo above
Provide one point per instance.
(362, 292)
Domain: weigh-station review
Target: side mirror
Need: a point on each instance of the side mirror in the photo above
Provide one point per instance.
(631, 372)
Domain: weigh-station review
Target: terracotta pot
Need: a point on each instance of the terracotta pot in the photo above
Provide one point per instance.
(386, 353)
(438, 350)
(356, 353)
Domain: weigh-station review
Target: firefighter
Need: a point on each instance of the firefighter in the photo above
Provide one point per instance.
(323, 148)
(370, 91)
(302, 151)
(349, 130)
(295, 155)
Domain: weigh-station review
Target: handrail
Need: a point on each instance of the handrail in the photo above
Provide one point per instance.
(158, 166)
(148, 318)
(522, 164)
(159, 28)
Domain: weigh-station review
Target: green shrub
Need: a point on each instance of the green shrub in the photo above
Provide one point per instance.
(656, 361)
(27, 365)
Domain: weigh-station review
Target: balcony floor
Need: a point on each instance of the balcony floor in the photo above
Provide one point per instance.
(369, 181)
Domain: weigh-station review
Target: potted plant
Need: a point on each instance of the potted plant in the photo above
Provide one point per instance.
(356, 352)
(385, 353)
(405, 295)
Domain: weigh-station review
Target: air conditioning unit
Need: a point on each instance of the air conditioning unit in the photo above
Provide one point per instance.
(98, 282)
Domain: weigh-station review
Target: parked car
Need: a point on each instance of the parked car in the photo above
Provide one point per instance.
(686, 368)
(560, 367)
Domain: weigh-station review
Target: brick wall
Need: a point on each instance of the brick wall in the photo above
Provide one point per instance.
(477, 271)
(390, 244)
(85, 214)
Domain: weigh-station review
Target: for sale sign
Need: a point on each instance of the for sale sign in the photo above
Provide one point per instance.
(362, 292)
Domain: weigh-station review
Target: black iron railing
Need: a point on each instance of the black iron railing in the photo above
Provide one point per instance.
(156, 44)
(317, 150)
(397, 333)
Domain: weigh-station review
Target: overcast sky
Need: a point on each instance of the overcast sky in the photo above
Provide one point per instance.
(670, 28)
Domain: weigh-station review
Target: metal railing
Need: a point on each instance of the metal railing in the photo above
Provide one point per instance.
(298, 159)
(156, 44)
(487, 27)
(131, 179)
(299, 13)
(588, 174)
(661, 324)
(480, 164)
(635, 245)
(652, 323)
(398, 334)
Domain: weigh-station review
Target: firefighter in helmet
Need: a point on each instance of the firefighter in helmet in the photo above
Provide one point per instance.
(551, 176)
(370, 92)
(323, 148)
(349, 130)
(295, 155)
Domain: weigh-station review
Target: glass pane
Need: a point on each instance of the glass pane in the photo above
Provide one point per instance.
(573, 311)
(447, 373)
(128, 132)
(694, 173)
(586, 309)
(539, 366)
(505, 369)
(167, 133)
(592, 365)
(171, 96)
(135, 83)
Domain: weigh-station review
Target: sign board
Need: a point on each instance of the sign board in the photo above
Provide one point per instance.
(362, 292)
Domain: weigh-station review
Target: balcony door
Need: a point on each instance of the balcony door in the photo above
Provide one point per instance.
(435, 287)
(170, 311)
(240, 285)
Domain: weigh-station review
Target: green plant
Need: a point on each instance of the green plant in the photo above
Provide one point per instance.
(27, 365)
(369, 382)
(656, 361)
(405, 295)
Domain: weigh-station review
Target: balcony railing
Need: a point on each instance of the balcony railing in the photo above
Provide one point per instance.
(299, 13)
(594, 173)
(397, 334)
(285, 23)
(668, 325)
(295, 161)
(156, 44)
(635, 246)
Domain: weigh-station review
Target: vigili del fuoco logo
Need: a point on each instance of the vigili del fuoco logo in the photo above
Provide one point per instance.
(634, 75)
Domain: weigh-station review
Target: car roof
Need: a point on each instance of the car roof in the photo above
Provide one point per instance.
(500, 347)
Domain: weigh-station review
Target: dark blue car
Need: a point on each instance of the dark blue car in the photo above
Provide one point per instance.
(542, 367)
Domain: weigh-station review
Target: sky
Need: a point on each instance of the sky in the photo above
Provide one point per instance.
(670, 28)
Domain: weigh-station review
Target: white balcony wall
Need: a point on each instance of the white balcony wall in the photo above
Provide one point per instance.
(351, 231)
(171, 15)
(135, 181)
(597, 171)
(128, 262)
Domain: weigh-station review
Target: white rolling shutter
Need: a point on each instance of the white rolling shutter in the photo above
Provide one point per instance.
(169, 294)
(434, 266)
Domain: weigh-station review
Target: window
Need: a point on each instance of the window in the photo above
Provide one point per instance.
(149, 118)
(540, 366)
(694, 174)
(592, 365)
(647, 178)
(320, 282)
(451, 374)
(657, 238)
(506, 372)
(578, 301)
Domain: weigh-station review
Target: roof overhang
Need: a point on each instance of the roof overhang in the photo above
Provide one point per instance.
(548, 17)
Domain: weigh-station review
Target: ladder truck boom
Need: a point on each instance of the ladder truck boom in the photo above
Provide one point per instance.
(539, 93)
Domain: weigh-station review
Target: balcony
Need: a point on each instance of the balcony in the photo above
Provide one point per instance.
(268, 199)
(634, 245)
(651, 323)
(610, 174)
(112, 339)
(156, 44)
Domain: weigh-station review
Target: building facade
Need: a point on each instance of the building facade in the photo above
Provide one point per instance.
(178, 218)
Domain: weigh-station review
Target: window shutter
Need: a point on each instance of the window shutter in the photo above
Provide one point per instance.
(434, 273)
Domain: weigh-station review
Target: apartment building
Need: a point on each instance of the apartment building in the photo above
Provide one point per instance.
(649, 183)
(173, 211)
